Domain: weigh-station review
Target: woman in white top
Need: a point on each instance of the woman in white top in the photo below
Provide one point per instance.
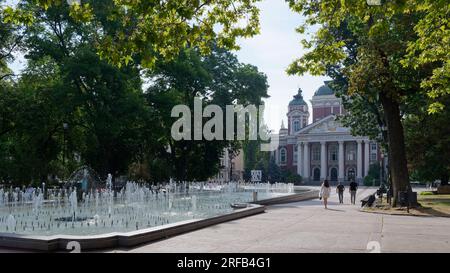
(325, 192)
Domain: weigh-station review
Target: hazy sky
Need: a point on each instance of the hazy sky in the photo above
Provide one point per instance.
(271, 51)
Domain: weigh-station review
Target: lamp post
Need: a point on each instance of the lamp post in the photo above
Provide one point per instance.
(381, 169)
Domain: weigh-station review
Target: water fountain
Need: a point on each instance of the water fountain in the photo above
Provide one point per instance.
(101, 210)
(88, 206)
(84, 179)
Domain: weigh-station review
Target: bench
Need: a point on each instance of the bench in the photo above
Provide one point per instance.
(368, 200)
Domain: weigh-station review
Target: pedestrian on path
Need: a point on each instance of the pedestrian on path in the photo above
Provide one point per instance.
(325, 191)
(340, 191)
(353, 189)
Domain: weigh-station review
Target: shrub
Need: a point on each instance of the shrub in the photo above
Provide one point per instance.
(368, 181)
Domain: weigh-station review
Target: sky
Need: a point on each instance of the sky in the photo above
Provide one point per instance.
(271, 51)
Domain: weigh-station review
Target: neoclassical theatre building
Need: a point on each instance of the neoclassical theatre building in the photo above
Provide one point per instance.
(323, 149)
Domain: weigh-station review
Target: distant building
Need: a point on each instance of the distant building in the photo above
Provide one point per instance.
(231, 168)
(323, 149)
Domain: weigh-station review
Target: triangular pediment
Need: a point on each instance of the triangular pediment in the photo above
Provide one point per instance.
(328, 124)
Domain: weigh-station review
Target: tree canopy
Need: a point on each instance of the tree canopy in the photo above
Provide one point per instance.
(74, 105)
(152, 29)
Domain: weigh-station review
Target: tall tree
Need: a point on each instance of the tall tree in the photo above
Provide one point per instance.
(383, 34)
(219, 79)
(102, 102)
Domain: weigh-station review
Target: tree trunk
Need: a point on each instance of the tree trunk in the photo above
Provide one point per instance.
(397, 153)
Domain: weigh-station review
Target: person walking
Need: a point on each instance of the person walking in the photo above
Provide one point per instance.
(325, 191)
(340, 191)
(353, 189)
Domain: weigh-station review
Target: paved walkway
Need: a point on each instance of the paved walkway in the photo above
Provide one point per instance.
(308, 227)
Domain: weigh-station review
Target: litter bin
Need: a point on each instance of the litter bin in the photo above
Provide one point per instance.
(406, 198)
(403, 198)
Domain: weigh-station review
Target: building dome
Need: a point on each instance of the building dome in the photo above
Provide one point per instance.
(324, 90)
(298, 99)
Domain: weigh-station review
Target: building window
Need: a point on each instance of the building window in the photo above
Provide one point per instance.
(283, 155)
(373, 147)
(373, 152)
(351, 153)
(334, 153)
(316, 153)
(295, 153)
(351, 156)
(296, 126)
(373, 157)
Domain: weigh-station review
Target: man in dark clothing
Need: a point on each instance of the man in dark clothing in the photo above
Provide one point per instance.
(353, 189)
(340, 191)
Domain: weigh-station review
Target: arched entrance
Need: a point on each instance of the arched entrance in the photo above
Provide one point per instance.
(333, 174)
(316, 174)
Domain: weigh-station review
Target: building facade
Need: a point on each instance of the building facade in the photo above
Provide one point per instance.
(323, 149)
(231, 169)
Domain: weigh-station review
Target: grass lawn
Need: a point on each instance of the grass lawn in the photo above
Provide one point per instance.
(431, 205)
(437, 203)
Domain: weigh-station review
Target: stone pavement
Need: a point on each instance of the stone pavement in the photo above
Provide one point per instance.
(307, 227)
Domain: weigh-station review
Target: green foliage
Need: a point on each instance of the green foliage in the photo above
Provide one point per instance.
(154, 30)
(427, 141)
(411, 35)
(219, 79)
(290, 177)
(274, 171)
(113, 125)
(368, 181)
(373, 177)
(432, 47)
(9, 43)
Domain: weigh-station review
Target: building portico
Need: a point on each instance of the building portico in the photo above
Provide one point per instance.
(324, 149)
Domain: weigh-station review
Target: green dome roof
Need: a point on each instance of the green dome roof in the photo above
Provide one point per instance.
(324, 90)
(298, 99)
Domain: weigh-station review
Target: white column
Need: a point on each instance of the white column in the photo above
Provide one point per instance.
(341, 161)
(299, 159)
(366, 157)
(323, 160)
(359, 160)
(306, 163)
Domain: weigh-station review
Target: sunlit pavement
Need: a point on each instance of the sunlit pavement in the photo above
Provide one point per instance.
(308, 227)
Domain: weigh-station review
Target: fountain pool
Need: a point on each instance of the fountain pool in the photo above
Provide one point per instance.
(135, 207)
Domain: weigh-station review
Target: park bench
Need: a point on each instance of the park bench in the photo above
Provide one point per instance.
(368, 200)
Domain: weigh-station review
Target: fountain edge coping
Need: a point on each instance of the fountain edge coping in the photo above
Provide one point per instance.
(133, 238)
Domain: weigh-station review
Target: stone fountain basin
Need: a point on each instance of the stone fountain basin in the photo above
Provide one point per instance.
(133, 238)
